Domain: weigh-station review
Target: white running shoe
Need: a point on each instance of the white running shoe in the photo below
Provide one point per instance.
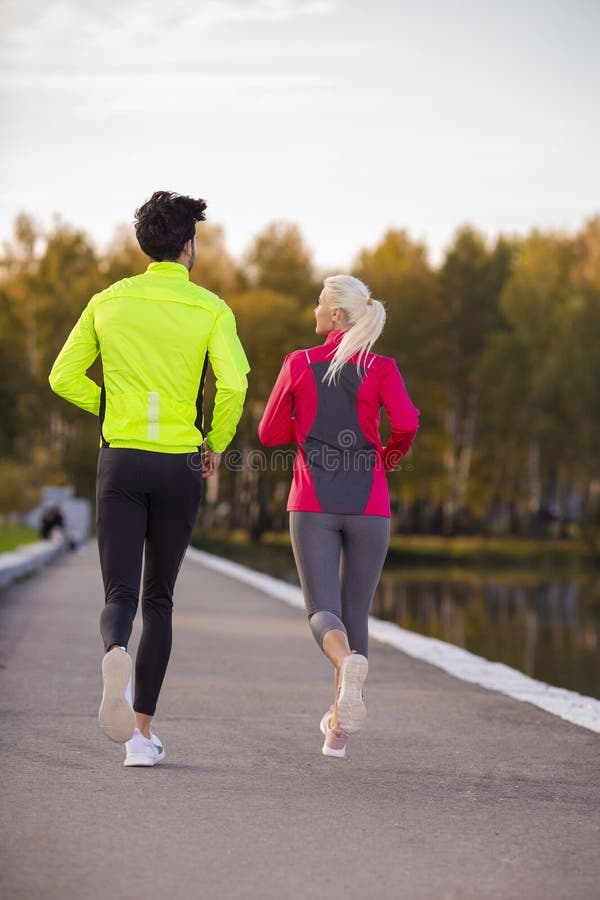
(116, 716)
(351, 708)
(335, 738)
(144, 752)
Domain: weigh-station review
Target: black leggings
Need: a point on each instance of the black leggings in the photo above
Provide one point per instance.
(339, 559)
(145, 501)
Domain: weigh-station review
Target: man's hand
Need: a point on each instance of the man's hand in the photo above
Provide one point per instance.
(209, 460)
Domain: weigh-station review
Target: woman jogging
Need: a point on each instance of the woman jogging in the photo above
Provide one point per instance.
(328, 399)
(156, 334)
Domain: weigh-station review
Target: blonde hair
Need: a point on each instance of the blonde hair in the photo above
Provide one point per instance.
(365, 316)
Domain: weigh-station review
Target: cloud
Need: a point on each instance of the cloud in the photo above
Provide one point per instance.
(75, 24)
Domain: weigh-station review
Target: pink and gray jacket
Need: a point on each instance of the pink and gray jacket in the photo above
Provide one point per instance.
(340, 463)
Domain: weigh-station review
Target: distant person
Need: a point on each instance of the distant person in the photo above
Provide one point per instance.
(156, 333)
(52, 518)
(328, 399)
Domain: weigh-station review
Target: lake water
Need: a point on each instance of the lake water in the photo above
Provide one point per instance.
(547, 627)
(539, 621)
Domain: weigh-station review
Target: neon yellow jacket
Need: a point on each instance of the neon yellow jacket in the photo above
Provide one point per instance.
(155, 333)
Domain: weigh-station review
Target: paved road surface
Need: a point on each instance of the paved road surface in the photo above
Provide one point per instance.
(451, 791)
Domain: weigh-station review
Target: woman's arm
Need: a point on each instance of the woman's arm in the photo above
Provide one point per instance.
(403, 416)
(277, 424)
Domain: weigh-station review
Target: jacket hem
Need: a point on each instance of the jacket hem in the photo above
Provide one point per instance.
(154, 446)
(380, 515)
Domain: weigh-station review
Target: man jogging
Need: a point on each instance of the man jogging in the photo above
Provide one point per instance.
(156, 333)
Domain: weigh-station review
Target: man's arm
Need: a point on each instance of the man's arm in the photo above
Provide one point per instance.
(229, 363)
(68, 378)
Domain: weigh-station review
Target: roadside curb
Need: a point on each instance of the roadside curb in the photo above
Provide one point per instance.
(27, 559)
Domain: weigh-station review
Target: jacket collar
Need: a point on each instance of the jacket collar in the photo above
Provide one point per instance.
(334, 337)
(172, 269)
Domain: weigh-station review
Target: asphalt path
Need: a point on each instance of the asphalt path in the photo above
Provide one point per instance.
(450, 791)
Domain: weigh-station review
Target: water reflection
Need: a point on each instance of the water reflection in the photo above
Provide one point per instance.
(547, 628)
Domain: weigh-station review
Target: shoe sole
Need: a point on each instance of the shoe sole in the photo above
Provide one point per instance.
(329, 751)
(138, 760)
(351, 709)
(116, 717)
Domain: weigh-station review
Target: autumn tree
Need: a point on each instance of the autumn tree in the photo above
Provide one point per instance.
(471, 279)
(278, 260)
(397, 272)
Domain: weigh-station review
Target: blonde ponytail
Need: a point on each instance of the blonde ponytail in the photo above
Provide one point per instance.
(365, 316)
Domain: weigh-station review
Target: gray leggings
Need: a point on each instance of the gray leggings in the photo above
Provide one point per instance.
(339, 559)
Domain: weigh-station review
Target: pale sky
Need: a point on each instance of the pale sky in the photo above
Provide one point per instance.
(344, 116)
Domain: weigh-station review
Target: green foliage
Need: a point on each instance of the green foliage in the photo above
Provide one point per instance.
(279, 261)
(268, 326)
(123, 258)
(215, 269)
(17, 493)
(498, 346)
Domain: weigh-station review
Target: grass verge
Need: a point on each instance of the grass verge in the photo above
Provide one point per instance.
(11, 536)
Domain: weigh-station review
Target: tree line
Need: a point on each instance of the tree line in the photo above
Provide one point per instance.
(499, 346)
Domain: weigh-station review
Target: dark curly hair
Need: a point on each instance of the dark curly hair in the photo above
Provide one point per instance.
(165, 222)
